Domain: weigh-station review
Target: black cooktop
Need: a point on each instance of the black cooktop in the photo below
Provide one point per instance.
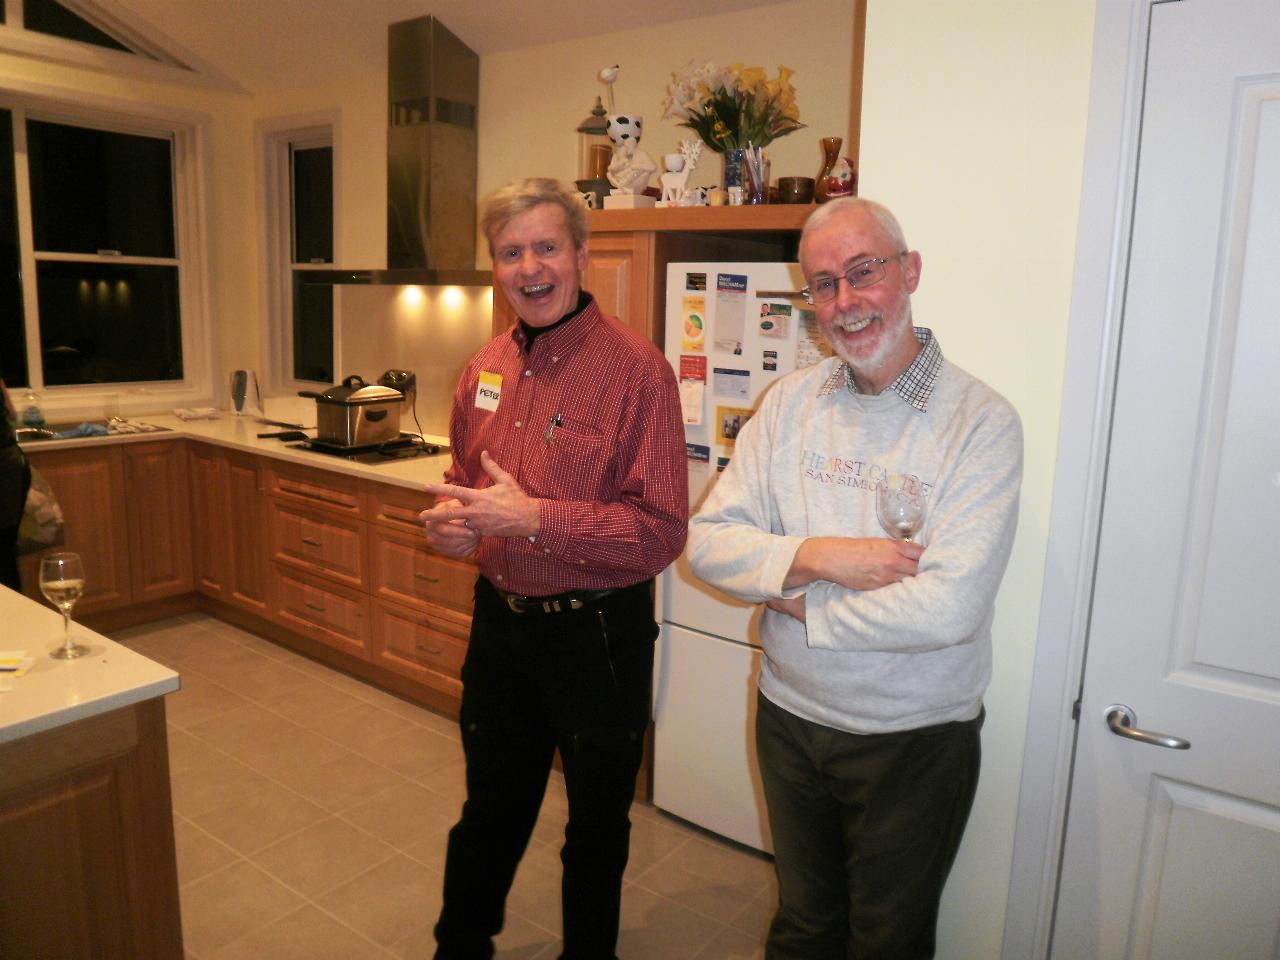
(403, 447)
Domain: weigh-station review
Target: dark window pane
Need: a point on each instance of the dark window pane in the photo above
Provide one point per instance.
(48, 16)
(13, 347)
(312, 329)
(108, 323)
(95, 190)
(313, 205)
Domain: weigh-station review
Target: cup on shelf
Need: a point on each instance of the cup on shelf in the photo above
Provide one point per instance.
(795, 189)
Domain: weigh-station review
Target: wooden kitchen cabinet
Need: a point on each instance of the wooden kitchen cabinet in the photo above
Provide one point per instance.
(159, 515)
(86, 826)
(318, 608)
(229, 543)
(313, 540)
(89, 484)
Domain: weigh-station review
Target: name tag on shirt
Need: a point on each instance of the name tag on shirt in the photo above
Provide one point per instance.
(488, 390)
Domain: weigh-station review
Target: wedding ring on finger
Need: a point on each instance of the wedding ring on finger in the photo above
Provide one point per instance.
(467, 523)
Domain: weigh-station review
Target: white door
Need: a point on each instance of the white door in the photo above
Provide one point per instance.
(1175, 853)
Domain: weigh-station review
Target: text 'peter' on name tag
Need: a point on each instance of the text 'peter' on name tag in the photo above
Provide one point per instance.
(488, 390)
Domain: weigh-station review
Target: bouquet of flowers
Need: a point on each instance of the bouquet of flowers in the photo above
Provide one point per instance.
(734, 106)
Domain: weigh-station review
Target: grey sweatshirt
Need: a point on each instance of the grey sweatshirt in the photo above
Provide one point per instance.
(908, 655)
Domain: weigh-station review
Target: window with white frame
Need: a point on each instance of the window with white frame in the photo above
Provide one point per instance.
(300, 227)
(99, 279)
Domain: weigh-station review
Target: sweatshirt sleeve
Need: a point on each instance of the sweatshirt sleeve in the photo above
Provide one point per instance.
(969, 532)
(735, 542)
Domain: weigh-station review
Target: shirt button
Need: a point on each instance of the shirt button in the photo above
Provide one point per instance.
(528, 373)
(546, 550)
(499, 577)
(555, 359)
(519, 423)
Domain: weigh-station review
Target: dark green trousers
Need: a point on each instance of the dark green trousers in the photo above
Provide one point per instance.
(865, 829)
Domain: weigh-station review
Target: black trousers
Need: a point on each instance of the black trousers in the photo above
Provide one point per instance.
(533, 683)
(865, 829)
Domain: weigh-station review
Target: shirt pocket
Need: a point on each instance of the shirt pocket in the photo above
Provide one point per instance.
(578, 459)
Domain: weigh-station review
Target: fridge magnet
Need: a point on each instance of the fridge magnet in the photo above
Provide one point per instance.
(721, 463)
(693, 383)
(770, 360)
(693, 328)
(811, 346)
(775, 320)
(729, 422)
(733, 384)
(695, 281)
(698, 463)
(731, 312)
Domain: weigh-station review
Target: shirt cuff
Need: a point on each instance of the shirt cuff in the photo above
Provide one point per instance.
(554, 517)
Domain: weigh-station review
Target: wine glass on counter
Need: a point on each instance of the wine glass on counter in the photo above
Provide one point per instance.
(900, 506)
(62, 583)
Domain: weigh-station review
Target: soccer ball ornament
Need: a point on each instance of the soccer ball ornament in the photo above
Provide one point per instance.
(625, 128)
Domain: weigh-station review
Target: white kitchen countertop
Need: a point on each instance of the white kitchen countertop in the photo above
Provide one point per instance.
(57, 692)
(241, 433)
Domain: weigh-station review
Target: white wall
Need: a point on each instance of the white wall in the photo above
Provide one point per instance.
(973, 133)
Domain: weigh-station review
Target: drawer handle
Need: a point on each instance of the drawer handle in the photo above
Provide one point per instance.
(434, 651)
(312, 543)
(298, 491)
(423, 576)
(312, 606)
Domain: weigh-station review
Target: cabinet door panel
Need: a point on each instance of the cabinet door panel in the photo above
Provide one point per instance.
(407, 571)
(247, 580)
(619, 274)
(209, 545)
(89, 486)
(319, 542)
(159, 519)
(427, 646)
(324, 611)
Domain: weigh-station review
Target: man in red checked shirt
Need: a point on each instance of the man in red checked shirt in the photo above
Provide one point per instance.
(569, 486)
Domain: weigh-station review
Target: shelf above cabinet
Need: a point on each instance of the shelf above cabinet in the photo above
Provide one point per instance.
(765, 218)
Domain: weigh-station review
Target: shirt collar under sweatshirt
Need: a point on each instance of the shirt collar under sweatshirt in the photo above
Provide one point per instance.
(914, 385)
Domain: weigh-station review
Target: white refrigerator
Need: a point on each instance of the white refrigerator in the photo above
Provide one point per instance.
(732, 330)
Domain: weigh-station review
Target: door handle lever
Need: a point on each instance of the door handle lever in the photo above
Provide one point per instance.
(1121, 720)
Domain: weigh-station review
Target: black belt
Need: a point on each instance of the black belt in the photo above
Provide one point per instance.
(557, 603)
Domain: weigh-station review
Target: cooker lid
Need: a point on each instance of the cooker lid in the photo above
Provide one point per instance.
(354, 390)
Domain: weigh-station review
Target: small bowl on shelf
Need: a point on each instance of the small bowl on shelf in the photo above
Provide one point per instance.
(795, 189)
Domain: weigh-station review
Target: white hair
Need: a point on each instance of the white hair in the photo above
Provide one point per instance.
(834, 208)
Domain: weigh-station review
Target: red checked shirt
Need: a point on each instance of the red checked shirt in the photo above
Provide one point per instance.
(589, 424)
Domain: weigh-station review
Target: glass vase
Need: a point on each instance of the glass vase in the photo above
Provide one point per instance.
(830, 156)
(755, 178)
(732, 177)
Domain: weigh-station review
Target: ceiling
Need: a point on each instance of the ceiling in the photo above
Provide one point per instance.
(264, 45)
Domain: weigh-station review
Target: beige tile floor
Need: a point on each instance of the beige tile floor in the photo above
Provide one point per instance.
(311, 810)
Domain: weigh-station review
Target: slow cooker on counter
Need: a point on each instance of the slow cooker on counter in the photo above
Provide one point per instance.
(354, 413)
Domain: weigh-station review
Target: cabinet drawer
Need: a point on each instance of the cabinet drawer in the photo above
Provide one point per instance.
(428, 647)
(396, 507)
(324, 490)
(405, 569)
(319, 542)
(324, 611)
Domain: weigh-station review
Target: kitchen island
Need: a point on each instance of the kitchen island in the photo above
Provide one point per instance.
(87, 865)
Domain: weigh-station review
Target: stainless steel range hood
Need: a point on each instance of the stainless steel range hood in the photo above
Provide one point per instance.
(433, 87)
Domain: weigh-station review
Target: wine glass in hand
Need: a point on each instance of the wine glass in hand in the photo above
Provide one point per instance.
(62, 582)
(900, 507)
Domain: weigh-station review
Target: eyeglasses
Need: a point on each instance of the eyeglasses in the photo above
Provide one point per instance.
(864, 273)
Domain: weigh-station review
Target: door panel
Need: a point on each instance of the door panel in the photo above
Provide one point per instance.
(1176, 853)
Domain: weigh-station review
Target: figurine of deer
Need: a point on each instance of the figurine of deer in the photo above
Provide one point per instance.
(679, 166)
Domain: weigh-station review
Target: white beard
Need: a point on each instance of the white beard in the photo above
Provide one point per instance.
(895, 321)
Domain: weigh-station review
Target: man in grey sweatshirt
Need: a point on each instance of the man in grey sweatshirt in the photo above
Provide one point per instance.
(877, 651)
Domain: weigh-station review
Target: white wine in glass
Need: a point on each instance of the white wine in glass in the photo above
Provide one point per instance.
(900, 507)
(62, 582)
